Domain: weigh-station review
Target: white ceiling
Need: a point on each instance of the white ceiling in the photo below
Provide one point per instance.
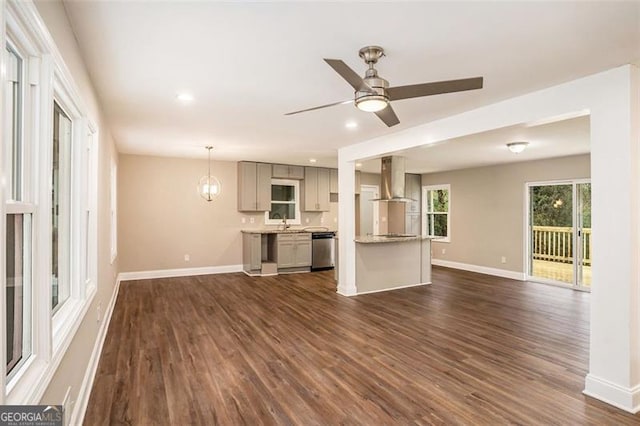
(568, 137)
(249, 63)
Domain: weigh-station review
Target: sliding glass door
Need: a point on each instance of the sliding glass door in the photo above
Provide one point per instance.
(559, 234)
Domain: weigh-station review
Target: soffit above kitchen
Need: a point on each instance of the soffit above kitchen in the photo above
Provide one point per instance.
(246, 64)
(559, 138)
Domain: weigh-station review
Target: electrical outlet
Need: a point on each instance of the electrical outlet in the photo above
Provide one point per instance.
(335, 220)
(306, 220)
(252, 220)
(504, 259)
(99, 312)
(187, 258)
(321, 219)
(243, 220)
(444, 251)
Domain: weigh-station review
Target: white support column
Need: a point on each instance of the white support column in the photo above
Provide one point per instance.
(612, 98)
(346, 227)
(614, 363)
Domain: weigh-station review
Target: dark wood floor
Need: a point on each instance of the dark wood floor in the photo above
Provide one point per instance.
(231, 350)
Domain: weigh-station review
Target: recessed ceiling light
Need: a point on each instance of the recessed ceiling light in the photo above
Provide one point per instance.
(184, 97)
(312, 160)
(351, 125)
(358, 164)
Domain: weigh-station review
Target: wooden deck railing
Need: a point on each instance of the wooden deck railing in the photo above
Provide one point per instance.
(555, 244)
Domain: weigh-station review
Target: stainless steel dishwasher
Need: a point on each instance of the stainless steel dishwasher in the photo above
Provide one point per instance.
(322, 250)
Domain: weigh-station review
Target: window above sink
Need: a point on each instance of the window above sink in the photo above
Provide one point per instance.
(285, 202)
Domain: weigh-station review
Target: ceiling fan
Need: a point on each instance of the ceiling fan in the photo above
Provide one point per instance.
(373, 94)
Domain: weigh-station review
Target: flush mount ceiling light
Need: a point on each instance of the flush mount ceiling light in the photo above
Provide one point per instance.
(184, 97)
(209, 186)
(517, 147)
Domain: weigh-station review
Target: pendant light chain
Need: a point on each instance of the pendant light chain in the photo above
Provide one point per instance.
(209, 148)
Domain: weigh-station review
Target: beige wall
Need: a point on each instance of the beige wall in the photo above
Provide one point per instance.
(161, 217)
(488, 207)
(74, 363)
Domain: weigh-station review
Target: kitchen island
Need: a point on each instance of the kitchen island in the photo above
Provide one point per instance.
(391, 262)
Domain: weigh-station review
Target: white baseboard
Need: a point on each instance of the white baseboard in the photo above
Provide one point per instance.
(347, 291)
(82, 399)
(627, 399)
(389, 289)
(520, 276)
(184, 272)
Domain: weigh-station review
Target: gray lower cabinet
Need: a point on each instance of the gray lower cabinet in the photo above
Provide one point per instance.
(252, 252)
(285, 171)
(254, 186)
(293, 250)
(413, 190)
(316, 189)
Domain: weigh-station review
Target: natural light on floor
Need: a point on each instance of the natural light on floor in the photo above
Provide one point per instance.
(559, 271)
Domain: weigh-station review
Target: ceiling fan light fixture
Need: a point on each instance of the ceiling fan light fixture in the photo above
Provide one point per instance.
(517, 147)
(372, 103)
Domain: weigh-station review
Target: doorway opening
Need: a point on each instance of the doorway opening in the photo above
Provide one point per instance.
(369, 210)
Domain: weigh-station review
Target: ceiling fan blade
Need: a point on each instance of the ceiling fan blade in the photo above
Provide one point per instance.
(435, 88)
(388, 116)
(321, 106)
(347, 73)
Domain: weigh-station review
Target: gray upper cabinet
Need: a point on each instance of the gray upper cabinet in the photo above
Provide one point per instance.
(412, 190)
(254, 186)
(316, 189)
(333, 181)
(284, 171)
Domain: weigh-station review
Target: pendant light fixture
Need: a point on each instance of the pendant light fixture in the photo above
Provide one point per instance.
(209, 186)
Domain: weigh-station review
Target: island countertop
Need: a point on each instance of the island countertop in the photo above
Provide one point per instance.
(309, 229)
(376, 239)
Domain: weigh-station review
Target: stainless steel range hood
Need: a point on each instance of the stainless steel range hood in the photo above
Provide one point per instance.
(392, 180)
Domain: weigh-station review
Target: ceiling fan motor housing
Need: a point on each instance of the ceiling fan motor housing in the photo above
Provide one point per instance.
(375, 86)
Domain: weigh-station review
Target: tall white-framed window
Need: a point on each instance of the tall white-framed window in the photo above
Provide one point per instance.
(38, 89)
(285, 202)
(113, 210)
(90, 196)
(61, 170)
(436, 208)
(19, 208)
(66, 206)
